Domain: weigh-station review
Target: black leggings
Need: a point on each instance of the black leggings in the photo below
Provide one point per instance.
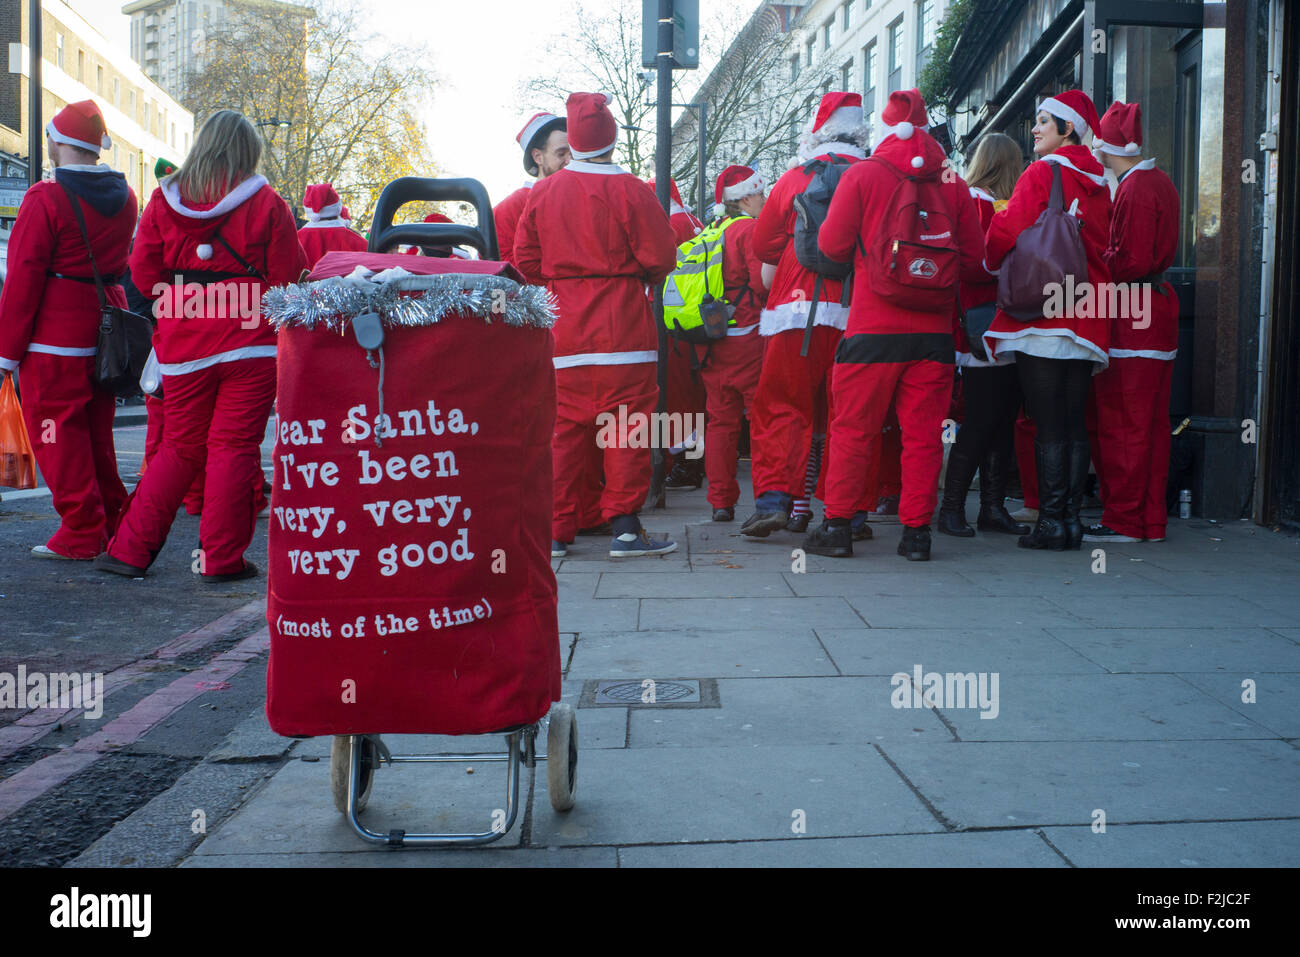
(992, 399)
(1056, 396)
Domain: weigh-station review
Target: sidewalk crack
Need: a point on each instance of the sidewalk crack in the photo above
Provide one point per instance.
(1057, 850)
(934, 811)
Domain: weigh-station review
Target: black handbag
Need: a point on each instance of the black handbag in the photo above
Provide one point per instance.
(125, 338)
(975, 322)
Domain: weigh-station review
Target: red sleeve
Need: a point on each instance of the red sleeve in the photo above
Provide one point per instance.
(770, 236)
(838, 235)
(147, 271)
(1028, 200)
(1131, 252)
(31, 249)
(285, 259)
(736, 256)
(505, 223)
(650, 234)
(969, 235)
(527, 253)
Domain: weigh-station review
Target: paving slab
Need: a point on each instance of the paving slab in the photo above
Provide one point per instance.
(1277, 698)
(1009, 650)
(251, 740)
(937, 587)
(598, 615)
(758, 614)
(687, 795)
(585, 564)
(576, 586)
(1031, 784)
(1281, 605)
(997, 849)
(964, 612)
(1182, 649)
(490, 856)
(786, 711)
(692, 585)
(1118, 580)
(1100, 708)
(1218, 844)
(699, 654)
(1156, 611)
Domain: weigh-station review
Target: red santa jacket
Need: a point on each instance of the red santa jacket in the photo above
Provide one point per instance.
(861, 203)
(199, 325)
(327, 235)
(742, 276)
(1143, 242)
(792, 286)
(506, 214)
(1083, 181)
(979, 292)
(685, 226)
(40, 312)
(597, 236)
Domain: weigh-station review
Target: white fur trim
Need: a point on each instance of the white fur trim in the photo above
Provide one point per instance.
(8, 365)
(204, 251)
(967, 361)
(810, 151)
(1143, 354)
(844, 120)
(794, 315)
(918, 162)
(1095, 352)
(326, 224)
(89, 147)
(232, 200)
(742, 330)
(904, 130)
(605, 359)
(1129, 149)
(605, 169)
(326, 212)
(70, 351)
(194, 365)
(531, 130)
(769, 273)
(1057, 108)
(746, 187)
(1064, 161)
(983, 194)
(580, 155)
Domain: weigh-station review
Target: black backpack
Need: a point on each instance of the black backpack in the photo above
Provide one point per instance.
(810, 209)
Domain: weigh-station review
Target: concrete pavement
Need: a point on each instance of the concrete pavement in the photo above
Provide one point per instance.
(1143, 715)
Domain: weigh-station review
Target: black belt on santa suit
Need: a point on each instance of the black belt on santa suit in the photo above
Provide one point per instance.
(1157, 280)
(88, 280)
(206, 277)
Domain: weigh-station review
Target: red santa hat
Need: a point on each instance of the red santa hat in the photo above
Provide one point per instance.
(437, 218)
(1120, 130)
(344, 214)
(81, 125)
(533, 136)
(737, 182)
(838, 113)
(904, 114)
(321, 202)
(673, 192)
(591, 126)
(1075, 107)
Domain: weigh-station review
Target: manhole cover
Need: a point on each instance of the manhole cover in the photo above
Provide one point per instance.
(650, 693)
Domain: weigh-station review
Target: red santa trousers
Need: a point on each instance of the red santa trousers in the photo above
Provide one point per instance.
(153, 442)
(685, 387)
(921, 391)
(1025, 433)
(222, 409)
(1132, 410)
(781, 420)
(70, 423)
(583, 393)
(730, 381)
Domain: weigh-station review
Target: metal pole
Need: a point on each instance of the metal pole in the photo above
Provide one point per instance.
(703, 186)
(663, 176)
(35, 115)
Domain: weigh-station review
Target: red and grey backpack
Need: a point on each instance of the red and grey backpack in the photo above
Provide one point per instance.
(913, 260)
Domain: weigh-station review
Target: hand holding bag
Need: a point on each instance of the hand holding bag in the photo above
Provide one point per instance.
(1043, 256)
(125, 338)
(17, 463)
(975, 322)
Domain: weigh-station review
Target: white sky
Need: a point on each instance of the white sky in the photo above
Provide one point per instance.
(481, 51)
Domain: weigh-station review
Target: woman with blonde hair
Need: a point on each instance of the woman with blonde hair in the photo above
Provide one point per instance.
(211, 241)
(991, 387)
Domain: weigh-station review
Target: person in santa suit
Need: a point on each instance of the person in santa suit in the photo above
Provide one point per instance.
(214, 223)
(49, 326)
(781, 423)
(731, 373)
(326, 229)
(1057, 356)
(596, 236)
(546, 151)
(990, 388)
(686, 394)
(1132, 395)
(893, 353)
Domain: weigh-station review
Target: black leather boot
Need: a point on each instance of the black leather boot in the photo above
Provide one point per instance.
(832, 541)
(994, 516)
(686, 473)
(915, 543)
(1052, 459)
(1076, 482)
(956, 484)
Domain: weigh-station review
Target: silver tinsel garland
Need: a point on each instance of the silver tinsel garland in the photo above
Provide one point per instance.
(409, 301)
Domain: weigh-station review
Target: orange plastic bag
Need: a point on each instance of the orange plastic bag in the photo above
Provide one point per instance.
(17, 462)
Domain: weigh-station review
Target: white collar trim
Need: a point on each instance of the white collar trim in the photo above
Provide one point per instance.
(840, 149)
(1064, 161)
(232, 200)
(982, 194)
(334, 223)
(605, 169)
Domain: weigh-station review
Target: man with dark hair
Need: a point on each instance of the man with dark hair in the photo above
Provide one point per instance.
(545, 142)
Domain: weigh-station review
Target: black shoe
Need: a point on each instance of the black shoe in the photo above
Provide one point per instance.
(724, 514)
(859, 527)
(763, 524)
(799, 523)
(1052, 460)
(993, 516)
(954, 523)
(603, 529)
(915, 543)
(1104, 533)
(832, 541)
(1076, 481)
(105, 562)
(248, 571)
(956, 485)
(686, 474)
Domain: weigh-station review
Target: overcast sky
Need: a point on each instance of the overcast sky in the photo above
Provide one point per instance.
(482, 50)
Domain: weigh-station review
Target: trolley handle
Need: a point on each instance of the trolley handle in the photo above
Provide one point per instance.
(412, 189)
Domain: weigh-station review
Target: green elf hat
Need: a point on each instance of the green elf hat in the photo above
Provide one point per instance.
(163, 167)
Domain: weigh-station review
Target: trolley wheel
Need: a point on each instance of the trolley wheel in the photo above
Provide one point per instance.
(340, 755)
(562, 756)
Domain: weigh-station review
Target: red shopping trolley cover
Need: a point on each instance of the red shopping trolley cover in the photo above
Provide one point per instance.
(410, 586)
